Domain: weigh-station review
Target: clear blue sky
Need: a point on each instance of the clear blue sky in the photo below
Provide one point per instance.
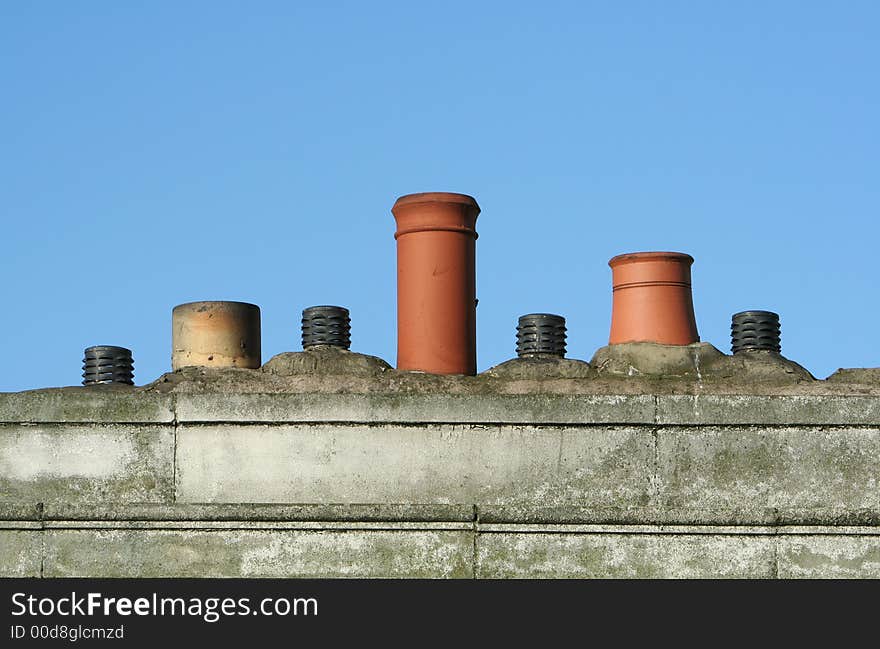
(165, 152)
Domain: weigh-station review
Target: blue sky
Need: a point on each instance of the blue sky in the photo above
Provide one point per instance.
(160, 153)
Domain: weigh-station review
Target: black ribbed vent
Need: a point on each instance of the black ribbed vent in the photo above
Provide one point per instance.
(326, 325)
(755, 330)
(540, 333)
(108, 364)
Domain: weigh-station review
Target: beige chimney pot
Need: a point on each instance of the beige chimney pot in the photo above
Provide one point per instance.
(215, 334)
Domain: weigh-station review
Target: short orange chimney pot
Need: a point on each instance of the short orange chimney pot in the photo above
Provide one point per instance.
(652, 299)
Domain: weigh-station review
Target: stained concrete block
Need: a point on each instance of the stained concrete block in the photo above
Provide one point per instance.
(20, 553)
(830, 557)
(20, 512)
(547, 409)
(602, 556)
(424, 464)
(82, 463)
(745, 514)
(791, 469)
(813, 410)
(576, 514)
(247, 513)
(259, 553)
(94, 404)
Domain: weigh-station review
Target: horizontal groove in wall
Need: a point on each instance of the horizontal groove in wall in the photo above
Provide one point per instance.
(390, 526)
(476, 425)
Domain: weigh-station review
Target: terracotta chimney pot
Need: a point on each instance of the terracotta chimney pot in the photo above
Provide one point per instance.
(652, 299)
(436, 282)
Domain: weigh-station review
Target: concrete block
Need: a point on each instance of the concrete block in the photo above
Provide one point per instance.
(813, 410)
(548, 409)
(82, 463)
(603, 556)
(21, 511)
(95, 404)
(436, 464)
(20, 553)
(830, 557)
(259, 553)
(797, 470)
(248, 513)
(576, 514)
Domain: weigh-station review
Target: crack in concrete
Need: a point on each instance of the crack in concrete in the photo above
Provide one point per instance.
(775, 566)
(476, 533)
(40, 514)
(174, 426)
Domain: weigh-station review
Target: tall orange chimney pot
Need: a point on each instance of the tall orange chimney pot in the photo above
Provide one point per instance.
(652, 299)
(436, 283)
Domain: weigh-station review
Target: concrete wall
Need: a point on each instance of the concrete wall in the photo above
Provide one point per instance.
(531, 470)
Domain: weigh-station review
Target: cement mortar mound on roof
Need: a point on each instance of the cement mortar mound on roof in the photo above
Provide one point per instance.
(307, 372)
(698, 361)
(210, 379)
(540, 367)
(757, 366)
(858, 375)
(634, 359)
(634, 368)
(325, 359)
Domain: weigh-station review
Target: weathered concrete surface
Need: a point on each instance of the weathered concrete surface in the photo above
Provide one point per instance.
(330, 463)
(746, 514)
(417, 408)
(541, 555)
(571, 403)
(544, 409)
(708, 468)
(325, 361)
(757, 366)
(829, 557)
(487, 514)
(856, 375)
(259, 553)
(118, 404)
(86, 463)
(428, 465)
(781, 410)
(744, 470)
(699, 361)
(20, 553)
(249, 512)
(438, 550)
(539, 367)
(634, 359)
(636, 368)
(687, 552)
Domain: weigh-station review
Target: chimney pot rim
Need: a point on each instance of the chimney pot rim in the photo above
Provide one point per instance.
(436, 197)
(650, 256)
(216, 303)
